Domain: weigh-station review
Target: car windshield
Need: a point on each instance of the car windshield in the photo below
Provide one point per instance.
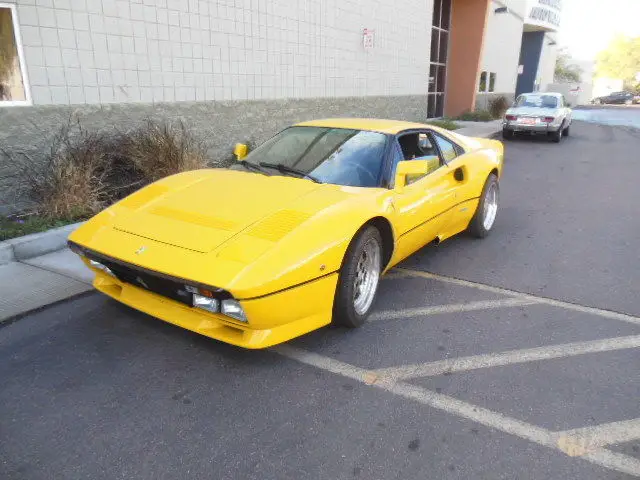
(539, 101)
(329, 155)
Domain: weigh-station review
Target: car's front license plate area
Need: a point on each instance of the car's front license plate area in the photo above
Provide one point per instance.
(161, 286)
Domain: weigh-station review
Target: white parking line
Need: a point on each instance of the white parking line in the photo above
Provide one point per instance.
(541, 436)
(452, 308)
(395, 275)
(463, 364)
(525, 296)
(582, 440)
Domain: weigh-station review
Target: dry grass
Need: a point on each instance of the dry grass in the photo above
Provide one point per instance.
(69, 181)
(498, 106)
(445, 123)
(84, 171)
(475, 116)
(158, 149)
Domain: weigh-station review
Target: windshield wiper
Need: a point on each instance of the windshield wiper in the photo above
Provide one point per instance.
(252, 167)
(282, 168)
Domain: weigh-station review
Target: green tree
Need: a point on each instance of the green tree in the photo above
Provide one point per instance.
(621, 59)
(565, 71)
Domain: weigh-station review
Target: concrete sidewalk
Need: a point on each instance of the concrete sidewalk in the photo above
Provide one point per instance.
(39, 281)
(479, 129)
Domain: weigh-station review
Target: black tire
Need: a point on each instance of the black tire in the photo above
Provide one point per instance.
(507, 134)
(477, 227)
(557, 135)
(344, 311)
(565, 132)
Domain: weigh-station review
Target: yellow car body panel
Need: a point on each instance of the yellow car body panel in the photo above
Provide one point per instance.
(275, 243)
(271, 323)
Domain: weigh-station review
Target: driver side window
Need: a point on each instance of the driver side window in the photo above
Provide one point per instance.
(418, 146)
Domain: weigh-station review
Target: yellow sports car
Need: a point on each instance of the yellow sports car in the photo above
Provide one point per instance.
(296, 234)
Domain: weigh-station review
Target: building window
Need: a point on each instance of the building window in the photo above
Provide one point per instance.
(13, 85)
(487, 82)
(438, 61)
(492, 82)
(483, 82)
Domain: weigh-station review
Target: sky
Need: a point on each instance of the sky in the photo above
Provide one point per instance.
(588, 25)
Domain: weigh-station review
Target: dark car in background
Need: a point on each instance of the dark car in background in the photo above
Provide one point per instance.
(620, 98)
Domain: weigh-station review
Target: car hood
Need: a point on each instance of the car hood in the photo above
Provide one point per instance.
(201, 212)
(533, 111)
(247, 233)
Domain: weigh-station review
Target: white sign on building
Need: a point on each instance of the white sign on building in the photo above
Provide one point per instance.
(368, 38)
(544, 14)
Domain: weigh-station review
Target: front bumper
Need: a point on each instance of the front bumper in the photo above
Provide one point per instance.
(273, 318)
(539, 128)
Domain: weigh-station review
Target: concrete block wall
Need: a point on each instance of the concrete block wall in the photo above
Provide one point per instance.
(501, 50)
(219, 125)
(123, 51)
(547, 64)
(484, 99)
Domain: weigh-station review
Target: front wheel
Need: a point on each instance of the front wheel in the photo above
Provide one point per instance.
(487, 210)
(358, 281)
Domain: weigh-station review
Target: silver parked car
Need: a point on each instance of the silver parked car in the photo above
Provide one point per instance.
(542, 113)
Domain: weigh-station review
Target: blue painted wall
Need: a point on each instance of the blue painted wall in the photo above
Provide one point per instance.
(529, 58)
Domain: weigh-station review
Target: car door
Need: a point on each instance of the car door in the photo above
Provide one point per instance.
(565, 111)
(423, 208)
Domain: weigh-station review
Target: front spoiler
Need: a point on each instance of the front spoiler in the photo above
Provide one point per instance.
(272, 319)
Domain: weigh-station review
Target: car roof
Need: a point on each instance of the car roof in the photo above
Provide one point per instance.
(369, 124)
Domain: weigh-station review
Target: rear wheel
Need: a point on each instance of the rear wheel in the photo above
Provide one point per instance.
(628, 102)
(487, 210)
(565, 132)
(557, 135)
(358, 281)
(507, 134)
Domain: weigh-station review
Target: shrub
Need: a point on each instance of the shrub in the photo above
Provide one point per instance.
(445, 123)
(157, 149)
(497, 106)
(82, 171)
(68, 182)
(476, 116)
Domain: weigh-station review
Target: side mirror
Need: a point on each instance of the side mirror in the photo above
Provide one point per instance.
(409, 168)
(240, 151)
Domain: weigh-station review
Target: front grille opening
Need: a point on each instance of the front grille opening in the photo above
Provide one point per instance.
(172, 288)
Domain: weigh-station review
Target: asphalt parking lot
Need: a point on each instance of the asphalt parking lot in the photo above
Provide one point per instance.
(513, 357)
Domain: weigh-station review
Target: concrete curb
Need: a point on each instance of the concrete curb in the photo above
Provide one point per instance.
(36, 244)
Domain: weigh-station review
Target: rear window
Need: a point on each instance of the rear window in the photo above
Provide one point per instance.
(538, 101)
